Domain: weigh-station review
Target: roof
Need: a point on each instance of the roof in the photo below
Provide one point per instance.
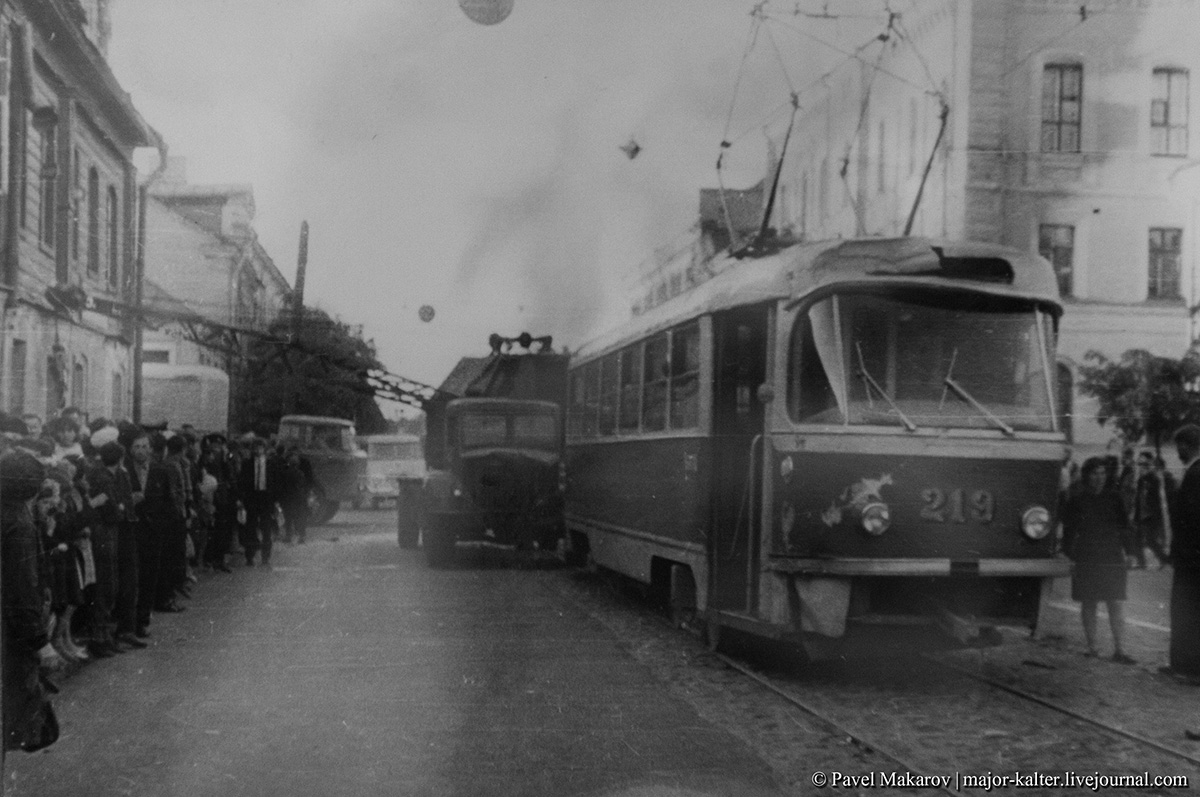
(466, 371)
(805, 269)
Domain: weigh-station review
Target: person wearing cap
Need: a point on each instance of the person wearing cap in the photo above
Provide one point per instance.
(29, 722)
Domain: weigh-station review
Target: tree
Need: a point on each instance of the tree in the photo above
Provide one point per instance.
(1144, 396)
(320, 370)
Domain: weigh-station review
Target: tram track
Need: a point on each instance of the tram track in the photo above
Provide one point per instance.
(859, 737)
(1069, 712)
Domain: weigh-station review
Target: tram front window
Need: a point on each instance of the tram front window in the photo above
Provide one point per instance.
(921, 360)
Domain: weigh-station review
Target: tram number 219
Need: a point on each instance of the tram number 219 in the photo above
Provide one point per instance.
(955, 506)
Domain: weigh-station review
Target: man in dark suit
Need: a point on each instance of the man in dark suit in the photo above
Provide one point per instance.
(155, 518)
(260, 487)
(1185, 558)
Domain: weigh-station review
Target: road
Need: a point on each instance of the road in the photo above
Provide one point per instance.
(349, 668)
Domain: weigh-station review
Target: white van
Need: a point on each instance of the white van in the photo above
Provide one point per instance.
(390, 458)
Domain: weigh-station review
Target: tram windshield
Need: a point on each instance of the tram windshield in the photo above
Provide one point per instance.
(922, 359)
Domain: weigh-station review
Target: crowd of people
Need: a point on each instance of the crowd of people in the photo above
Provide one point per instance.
(1113, 509)
(104, 524)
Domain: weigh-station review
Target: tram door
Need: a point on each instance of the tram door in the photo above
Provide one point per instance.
(740, 347)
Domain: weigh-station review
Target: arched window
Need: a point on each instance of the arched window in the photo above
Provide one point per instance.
(114, 238)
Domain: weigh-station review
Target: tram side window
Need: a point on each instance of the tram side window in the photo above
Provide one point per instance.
(608, 395)
(591, 397)
(810, 397)
(578, 404)
(631, 388)
(657, 373)
(685, 377)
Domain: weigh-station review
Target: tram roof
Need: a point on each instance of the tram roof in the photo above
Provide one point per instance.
(804, 269)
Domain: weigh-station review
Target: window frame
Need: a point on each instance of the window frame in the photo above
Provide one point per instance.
(1168, 124)
(1156, 257)
(1060, 70)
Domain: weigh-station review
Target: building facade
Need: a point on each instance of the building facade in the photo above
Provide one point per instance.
(204, 262)
(69, 212)
(1047, 125)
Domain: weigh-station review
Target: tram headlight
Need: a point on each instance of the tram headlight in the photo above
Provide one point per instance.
(1036, 522)
(876, 518)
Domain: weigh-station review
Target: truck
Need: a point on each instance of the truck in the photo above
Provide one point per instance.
(494, 452)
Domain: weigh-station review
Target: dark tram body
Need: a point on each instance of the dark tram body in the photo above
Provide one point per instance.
(833, 441)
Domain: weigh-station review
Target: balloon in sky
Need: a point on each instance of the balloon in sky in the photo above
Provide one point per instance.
(425, 313)
(486, 12)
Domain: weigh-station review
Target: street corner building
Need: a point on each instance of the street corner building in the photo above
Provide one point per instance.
(68, 211)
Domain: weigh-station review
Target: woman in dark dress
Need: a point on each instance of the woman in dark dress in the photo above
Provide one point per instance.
(1098, 539)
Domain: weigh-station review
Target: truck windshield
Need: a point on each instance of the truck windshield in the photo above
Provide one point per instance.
(519, 431)
(319, 436)
(922, 359)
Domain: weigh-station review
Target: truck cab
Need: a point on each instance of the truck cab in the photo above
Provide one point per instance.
(501, 479)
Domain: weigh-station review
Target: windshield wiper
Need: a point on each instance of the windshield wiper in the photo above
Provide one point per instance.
(962, 393)
(870, 380)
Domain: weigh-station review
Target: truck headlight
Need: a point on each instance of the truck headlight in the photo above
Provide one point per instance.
(1036, 522)
(876, 518)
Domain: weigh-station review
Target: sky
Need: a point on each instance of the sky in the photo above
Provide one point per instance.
(475, 169)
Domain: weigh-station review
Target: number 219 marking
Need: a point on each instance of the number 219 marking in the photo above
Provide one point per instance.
(941, 507)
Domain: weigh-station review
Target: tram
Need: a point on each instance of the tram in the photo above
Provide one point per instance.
(835, 443)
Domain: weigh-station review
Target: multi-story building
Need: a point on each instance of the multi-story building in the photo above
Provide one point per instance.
(204, 259)
(68, 193)
(1056, 126)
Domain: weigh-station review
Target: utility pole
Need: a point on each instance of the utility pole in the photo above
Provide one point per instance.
(298, 299)
(139, 279)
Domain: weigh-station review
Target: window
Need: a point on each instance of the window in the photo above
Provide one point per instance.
(1169, 112)
(591, 397)
(1065, 398)
(1062, 99)
(685, 377)
(76, 201)
(864, 359)
(1056, 243)
(608, 395)
(631, 389)
(156, 356)
(93, 221)
(577, 406)
(47, 180)
(114, 238)
(16, 389)
(657, 374)
(55, 389)
(1165, 252)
